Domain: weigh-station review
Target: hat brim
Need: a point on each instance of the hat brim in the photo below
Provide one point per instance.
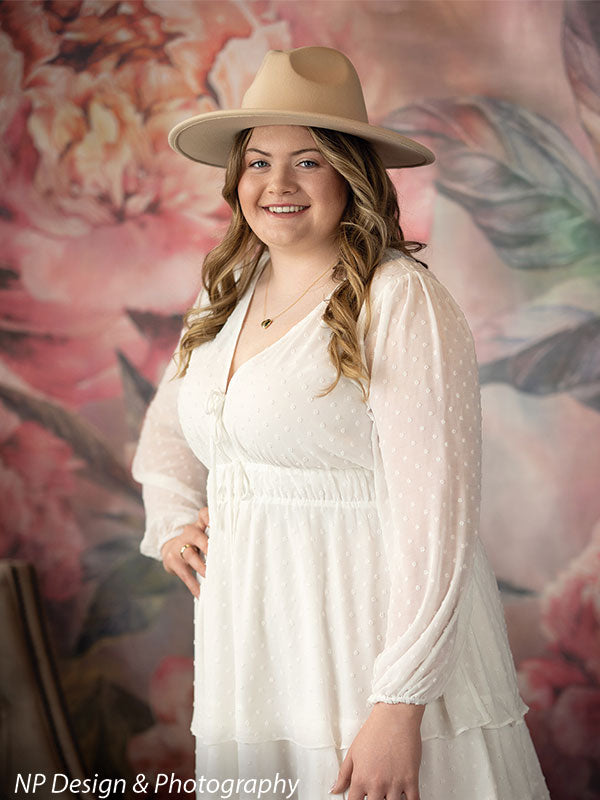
(207, 138)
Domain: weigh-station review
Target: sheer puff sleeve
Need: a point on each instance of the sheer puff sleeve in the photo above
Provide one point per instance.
(425, 406)
(173, 479)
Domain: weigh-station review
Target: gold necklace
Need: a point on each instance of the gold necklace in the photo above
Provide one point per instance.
(268, 320)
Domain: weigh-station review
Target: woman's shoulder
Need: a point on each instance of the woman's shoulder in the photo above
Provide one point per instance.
(401, 279)
(400, 275)
(395, 268)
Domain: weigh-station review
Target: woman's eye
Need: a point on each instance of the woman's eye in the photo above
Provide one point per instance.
(259, 163)
(310, 162)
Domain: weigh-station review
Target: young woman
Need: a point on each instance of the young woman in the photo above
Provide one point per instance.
(311, 471)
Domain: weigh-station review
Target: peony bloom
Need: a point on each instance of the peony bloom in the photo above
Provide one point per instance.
(563, 687)
(37, 521)
(168, 746)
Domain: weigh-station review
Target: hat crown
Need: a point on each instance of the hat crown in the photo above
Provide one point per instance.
(314, 80)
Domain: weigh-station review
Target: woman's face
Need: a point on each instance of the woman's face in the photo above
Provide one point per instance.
(291, 197)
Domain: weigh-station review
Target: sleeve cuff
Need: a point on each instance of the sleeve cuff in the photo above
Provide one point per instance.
(155, 537)
(394, 698)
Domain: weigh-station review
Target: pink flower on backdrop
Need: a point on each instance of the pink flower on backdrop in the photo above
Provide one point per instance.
(102, 36)
(576, 722)
(571, 609)
(563, 688)
(27, 26)
(543, 679)
(168, 746)
(100, 215)
(568, 777)
(101, 209)
(37, 522)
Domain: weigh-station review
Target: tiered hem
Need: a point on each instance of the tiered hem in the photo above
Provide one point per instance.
(479, 764)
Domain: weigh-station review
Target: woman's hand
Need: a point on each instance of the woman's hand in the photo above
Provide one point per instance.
(383, 760)
(171, 553)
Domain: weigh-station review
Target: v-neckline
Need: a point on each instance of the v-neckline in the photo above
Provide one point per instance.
(244, 306)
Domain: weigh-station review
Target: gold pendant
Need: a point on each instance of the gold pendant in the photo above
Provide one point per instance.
(266, 322)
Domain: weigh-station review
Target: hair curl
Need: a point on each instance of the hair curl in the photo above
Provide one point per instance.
(370, 224)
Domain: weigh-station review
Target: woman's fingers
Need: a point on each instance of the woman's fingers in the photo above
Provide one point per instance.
(184, 562)
(189, 579)
(358, 791)
(193, 558)
(398, 794)
(194, 535)
(344, 775)
(186, 554)
(174, 562)
(174, 552)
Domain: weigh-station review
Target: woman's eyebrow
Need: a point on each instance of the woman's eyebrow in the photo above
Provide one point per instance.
(295, 153)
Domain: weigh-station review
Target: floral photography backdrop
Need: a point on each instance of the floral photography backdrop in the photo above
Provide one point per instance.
(102, 234)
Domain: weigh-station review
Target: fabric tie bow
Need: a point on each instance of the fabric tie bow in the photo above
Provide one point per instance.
(239, 483)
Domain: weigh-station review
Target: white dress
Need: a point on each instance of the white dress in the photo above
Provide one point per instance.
(344, 564)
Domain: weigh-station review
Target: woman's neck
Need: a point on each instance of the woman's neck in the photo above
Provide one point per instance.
(289, 272)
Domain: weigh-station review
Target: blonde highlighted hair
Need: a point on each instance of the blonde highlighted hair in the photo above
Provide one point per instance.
(370, 224)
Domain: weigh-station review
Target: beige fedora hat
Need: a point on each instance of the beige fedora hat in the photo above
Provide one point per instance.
(315, 86)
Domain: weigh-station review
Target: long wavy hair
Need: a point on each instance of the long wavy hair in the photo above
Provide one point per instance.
(370, 224)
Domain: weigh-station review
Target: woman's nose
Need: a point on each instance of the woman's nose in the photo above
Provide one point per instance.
(281, 181)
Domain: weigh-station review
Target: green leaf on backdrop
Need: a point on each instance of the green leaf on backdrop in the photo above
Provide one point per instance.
(161, 329)
(138, 392)
(127, 601)
(537, 200)
(101, 559)
(509, 589)
(101, 465)
(567, 361)
(581, 48)
(105, 716)
(521, 179)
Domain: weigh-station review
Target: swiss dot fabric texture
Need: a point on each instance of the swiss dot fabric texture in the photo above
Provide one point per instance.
(344, 565)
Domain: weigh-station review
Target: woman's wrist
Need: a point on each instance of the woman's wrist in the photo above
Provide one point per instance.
(406, 711)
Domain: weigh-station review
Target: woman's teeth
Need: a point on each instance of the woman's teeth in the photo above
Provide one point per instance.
(285, 209)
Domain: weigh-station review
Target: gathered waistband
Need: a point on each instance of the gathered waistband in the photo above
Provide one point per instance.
(352, 486)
